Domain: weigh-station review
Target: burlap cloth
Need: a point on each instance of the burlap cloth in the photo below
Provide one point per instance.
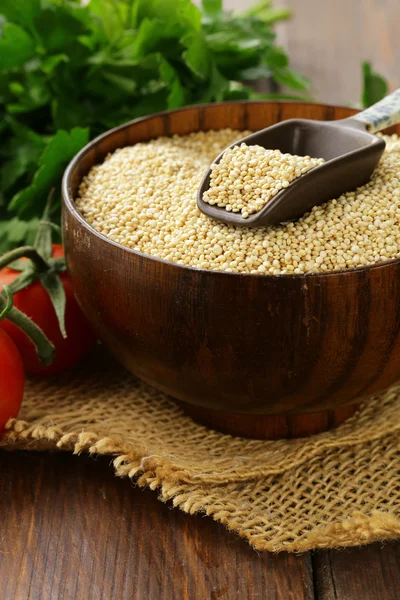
(340, 488)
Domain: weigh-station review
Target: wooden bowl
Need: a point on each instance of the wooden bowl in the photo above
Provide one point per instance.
(255, 355)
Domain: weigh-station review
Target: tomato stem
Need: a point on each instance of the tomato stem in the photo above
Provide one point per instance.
(44, 348)
(9, 302)
(27, 252)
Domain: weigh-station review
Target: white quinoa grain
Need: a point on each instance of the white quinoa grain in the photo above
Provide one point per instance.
(144, 197)
(238, 186)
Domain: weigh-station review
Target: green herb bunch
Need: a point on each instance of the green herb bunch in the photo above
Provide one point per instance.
(70, 71)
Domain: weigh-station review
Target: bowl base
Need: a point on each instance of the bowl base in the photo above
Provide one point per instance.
(269, 427)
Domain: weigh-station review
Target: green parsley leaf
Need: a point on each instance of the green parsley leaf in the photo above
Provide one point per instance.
(58, 152)
(22, 12)
(212, 8)
(375, 87)
(16, 47)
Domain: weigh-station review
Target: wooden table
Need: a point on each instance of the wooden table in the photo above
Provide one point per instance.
(71, 530)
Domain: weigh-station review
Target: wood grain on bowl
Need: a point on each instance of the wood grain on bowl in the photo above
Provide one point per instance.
(255, 344)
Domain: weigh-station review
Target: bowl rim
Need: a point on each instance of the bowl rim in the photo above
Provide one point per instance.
(69, 202)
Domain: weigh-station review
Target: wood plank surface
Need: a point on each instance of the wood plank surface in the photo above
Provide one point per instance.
(358, 573)
(328, 41)
(70, 529)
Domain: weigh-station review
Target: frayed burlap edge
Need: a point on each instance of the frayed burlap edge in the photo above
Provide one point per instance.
(357, 530)
(262, 507)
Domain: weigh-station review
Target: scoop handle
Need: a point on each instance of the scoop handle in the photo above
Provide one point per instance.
(384, 113)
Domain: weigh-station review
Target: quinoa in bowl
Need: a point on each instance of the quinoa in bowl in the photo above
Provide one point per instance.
(144, 197)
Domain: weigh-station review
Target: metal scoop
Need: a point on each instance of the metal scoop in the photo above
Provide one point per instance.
(350, 150)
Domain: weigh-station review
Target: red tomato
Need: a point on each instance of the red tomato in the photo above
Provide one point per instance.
(11, 380)
(34, 301)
